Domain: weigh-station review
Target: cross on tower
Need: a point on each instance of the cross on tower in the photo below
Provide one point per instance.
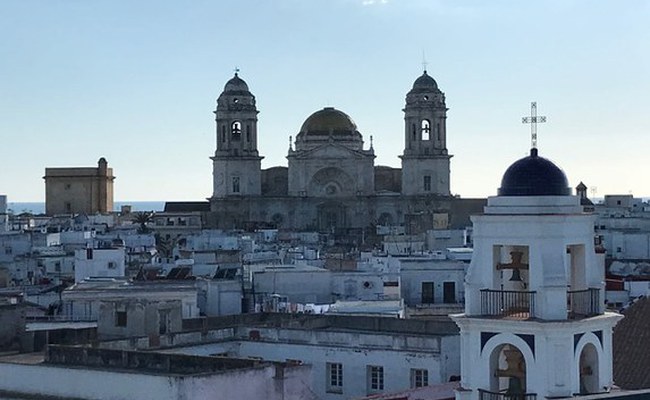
(533, 120)
(236, 70)
(424, 63)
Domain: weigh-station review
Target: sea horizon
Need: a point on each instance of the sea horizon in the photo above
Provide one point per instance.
(38, 207)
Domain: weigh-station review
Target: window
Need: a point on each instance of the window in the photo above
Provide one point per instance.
(89, 254)
(111, 265)
(8, 250)
(427, 183)
(449, 292)
(248, 133)
(438, 130)
(426, 129)
(120, 318)
(335, 377)
(235, 184)
(235, 130)
(427, 292)
(413, 131)
(68, 207)
(57, 266)
(419, 378)
(223, 133)
(375, 378)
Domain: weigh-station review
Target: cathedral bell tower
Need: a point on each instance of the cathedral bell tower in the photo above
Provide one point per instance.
(425, 162)
(534, 325)
(236, 162)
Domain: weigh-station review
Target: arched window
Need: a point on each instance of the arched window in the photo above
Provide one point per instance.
(426, 129)
(438, 130)
(248, 133)
(223, 133)
(414, 132)
(235, 130)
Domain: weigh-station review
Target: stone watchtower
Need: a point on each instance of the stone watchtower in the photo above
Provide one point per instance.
(425, 162)
(79, 190)
(236, 162)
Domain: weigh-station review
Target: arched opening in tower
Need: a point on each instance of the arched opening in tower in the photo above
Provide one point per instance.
(589, 370)
(508, 371)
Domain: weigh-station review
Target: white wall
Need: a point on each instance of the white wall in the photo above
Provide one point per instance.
(99, 263)
(398, 354)
(246, 384)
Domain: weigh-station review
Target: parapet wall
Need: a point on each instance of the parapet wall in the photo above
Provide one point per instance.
(440, 326)
(177, 364)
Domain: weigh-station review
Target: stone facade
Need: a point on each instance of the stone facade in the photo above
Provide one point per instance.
(79, 190)
(331, 183)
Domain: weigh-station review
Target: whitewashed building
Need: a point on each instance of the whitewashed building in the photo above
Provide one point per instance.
(534, 324)
(100, 262)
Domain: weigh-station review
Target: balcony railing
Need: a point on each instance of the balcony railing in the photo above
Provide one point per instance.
(583, 303)
(508, 303)
(487, 395)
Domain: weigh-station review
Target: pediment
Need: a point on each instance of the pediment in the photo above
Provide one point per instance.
(329, 151)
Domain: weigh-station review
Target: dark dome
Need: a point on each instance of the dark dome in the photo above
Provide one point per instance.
(327, 120)
(235, 85)
(534, 176)
(425, 82)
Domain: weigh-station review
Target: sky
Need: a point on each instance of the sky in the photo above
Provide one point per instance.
(136, 82)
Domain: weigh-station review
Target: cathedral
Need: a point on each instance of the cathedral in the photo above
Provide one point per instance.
(331, 183)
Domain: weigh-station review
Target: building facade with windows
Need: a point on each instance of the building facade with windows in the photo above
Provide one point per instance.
(350, 356)
(331, 182)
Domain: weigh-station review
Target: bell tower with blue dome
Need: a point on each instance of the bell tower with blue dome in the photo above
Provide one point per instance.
(425, 162)
(534, 325)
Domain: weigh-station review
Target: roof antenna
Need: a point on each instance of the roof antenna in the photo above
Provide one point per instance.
(533, 120)
(424, 62)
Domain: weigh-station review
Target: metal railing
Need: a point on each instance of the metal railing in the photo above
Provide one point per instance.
(583, 303)
(487, 395)
(508, 303)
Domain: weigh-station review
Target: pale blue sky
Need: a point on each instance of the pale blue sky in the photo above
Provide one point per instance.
(136, 82)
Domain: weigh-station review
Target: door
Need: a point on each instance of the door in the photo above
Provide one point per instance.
(427, 292)
(449, 292)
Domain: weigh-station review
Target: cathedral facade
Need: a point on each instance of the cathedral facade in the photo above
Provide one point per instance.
(331, 182)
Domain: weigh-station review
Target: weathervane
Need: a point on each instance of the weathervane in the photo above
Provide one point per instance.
(533, 120)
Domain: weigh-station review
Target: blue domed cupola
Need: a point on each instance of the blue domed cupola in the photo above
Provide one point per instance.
(534, 176)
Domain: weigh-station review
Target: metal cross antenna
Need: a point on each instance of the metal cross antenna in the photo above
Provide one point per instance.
(533, 120)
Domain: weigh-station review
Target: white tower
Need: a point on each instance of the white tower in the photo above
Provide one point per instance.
(425, 162)
(236, 162)
(534, 325)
